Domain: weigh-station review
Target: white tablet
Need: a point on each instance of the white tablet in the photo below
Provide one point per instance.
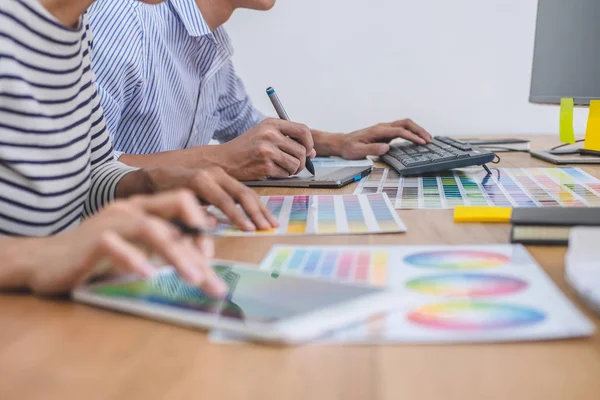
(260, 305)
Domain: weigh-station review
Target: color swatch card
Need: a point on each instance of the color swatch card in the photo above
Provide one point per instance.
(325, 215)
(506, 187)
(453, 293)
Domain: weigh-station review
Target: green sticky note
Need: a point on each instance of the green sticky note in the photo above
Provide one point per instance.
(567, 132)
(592, 132)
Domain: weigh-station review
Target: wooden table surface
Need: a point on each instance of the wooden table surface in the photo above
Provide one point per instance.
(52, 349)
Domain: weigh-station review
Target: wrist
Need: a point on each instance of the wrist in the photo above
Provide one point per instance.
(22, 259)
(328, 144)
(211, 155)
(218, 155)
(135, 182)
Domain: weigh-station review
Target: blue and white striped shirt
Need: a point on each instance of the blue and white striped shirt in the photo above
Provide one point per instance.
(56, 160)
(166, 81)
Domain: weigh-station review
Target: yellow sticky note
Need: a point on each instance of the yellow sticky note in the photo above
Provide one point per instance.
(592, 133)
(567, 132)
(482, 214)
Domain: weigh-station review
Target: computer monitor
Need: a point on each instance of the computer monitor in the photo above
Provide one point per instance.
(566, 61)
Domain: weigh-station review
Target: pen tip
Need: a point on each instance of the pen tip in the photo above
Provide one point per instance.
(270, 90)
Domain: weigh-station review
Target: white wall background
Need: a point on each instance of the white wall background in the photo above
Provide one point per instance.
(455, 66)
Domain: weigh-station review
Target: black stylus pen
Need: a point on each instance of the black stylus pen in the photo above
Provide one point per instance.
(283, 115)
(190, 230)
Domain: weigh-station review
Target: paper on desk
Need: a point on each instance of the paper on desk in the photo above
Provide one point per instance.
(567, 132)
(582, 266)
(505, 187)
(325, 215)
(457, 294)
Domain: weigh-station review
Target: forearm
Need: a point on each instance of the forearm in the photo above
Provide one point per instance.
(18, 257)
(105, 180)
(327, 144)
(197, 157)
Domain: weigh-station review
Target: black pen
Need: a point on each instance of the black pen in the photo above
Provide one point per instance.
(190, 230)
(283, 115)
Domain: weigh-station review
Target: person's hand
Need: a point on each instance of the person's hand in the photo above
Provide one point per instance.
(216, 187)
(374, 141)
(121, 239)
(266, 151)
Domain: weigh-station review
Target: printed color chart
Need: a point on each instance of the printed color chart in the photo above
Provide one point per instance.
(322, 215)
(453, 293)
(506, 187)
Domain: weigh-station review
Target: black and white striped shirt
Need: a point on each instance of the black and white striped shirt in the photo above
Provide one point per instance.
(56, 159)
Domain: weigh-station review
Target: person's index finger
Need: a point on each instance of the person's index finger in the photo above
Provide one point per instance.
(224, 202)
(181, 205)
(419, 130)
(296, 131)
(413, 137)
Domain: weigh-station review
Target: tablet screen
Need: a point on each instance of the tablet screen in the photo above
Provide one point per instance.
(254, 295)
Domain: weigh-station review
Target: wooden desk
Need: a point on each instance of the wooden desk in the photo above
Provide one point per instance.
(52, 349)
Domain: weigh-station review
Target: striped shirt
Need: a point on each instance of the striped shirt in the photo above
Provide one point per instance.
(56, 160)
(166, 81)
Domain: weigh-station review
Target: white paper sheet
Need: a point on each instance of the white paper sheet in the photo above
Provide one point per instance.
(453, 294)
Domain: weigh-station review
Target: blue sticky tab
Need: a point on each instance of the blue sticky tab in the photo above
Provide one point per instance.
(357, 178)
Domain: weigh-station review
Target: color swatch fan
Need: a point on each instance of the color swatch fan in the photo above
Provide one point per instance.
(323, 215)
(453, 293)
(505, 187)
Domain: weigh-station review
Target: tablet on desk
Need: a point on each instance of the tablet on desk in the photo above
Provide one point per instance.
(325, 177)
(261, 305)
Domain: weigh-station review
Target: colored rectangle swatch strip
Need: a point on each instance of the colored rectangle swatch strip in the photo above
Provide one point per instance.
(322, 215)
(505, 187)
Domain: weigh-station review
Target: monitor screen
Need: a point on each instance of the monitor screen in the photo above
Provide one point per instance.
(566, 61)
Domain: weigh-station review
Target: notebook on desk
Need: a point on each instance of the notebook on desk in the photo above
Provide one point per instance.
(550, 226)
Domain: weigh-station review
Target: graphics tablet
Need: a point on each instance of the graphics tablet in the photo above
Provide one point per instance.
(325, 177)
(260, 305)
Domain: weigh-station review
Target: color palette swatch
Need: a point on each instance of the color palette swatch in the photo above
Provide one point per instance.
(505, 187)
(322, 215)
(332, 263)
(453, 293)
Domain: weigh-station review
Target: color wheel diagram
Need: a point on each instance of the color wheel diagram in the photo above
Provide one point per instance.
(468, 315)
(457, 259)
(471, 316)
(466, 285)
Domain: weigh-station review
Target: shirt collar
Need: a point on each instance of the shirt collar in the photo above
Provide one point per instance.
(192, 19)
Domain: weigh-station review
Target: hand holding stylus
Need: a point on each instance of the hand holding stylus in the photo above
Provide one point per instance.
(283, 115)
